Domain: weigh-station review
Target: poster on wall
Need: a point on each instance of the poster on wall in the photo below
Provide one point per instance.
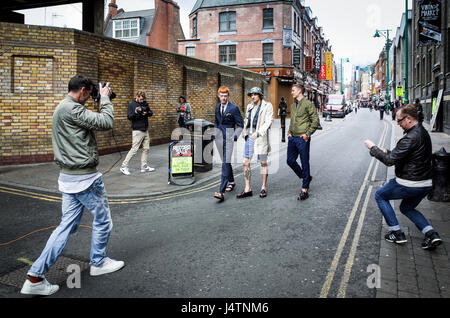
(429, 22)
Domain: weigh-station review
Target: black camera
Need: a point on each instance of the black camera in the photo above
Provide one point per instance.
(96, 92)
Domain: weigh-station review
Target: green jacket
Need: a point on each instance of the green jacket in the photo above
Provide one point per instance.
(73, 137)
(304, 119)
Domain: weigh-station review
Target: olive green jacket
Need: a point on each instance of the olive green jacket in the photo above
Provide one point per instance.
(304, 119)
(73, 137)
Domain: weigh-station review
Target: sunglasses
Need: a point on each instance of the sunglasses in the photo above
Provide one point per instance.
(400, 120)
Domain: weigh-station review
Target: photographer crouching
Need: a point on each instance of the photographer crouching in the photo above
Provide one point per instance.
(138, 112)
(76, 153)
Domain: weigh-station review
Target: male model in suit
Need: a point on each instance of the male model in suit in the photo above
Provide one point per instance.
(228, 126)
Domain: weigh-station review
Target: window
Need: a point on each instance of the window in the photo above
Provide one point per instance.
(227, 54)
(268, 52)
(194, 27)
(295, 22)
(190, 51)
(268, 19)
(126, 28)
(227, 21)
(430, 66)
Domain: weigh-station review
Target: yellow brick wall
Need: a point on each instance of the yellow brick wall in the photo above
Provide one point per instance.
(36, 64)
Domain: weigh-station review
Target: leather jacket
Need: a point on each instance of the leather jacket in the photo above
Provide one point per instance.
(411, 156)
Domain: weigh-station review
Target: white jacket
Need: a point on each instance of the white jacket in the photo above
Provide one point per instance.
(265, 119)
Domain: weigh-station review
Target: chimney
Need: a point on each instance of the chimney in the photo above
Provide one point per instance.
(112, 8)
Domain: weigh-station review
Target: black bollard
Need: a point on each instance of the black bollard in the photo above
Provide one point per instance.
(441, 177)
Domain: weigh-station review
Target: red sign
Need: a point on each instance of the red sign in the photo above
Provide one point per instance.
(308, 63)
(323, 72)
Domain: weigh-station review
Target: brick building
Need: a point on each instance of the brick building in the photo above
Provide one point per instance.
(159, 27)
(257, 35)
(37, 62)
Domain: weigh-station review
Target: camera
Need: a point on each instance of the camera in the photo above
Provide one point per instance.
(96, 92)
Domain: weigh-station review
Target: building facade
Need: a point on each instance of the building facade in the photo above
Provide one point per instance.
(267, 37)
(159, 27)
(431, 66)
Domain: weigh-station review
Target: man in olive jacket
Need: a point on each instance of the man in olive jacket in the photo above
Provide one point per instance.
(304, 122)
(76, 153)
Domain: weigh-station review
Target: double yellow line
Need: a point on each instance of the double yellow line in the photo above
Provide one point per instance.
(351, 257)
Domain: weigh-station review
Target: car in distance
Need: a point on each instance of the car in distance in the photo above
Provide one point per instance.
(335, 106)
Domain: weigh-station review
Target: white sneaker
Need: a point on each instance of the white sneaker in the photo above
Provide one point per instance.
(125, 171)
(149, 169)
(42, 288)
(108, 266)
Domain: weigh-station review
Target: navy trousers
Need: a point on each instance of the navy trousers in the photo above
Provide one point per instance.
(298, 146)
(225, 148)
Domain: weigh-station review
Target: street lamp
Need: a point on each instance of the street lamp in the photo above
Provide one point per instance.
(342, 78)
(377, 35)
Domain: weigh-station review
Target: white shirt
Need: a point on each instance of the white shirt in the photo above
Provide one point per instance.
(224, 108)
(414, 184)
(73, 183)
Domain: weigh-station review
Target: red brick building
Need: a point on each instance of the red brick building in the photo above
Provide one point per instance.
(159, 27)
(264, 36)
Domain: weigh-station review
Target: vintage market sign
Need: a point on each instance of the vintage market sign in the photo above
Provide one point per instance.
(181, 160)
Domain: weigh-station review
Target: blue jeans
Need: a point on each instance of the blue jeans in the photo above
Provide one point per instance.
(411, 198)
(94, 199)
(298, 146)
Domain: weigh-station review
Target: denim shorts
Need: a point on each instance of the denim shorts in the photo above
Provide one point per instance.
(249, 150)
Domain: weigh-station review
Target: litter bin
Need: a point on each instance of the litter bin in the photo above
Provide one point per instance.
(202, 140)
(441, 177)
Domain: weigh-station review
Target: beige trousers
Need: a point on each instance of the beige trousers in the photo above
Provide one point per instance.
(139, 137)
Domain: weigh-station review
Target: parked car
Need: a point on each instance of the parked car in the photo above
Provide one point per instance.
(335, 105)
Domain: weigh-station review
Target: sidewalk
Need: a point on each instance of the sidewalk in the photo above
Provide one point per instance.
(408, 271)
(44, 176)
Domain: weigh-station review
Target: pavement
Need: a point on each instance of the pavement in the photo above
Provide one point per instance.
(406, 271)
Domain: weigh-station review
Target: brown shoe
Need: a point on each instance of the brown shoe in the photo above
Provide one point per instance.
(219, 196)
(244, 195)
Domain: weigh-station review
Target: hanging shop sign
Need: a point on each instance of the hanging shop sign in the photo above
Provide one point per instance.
(308, 64)
(317, 57)
(323, 72)
(329, 65)
(429, 23)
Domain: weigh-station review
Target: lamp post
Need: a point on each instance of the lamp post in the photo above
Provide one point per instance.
(406, 52)
(377, 35)
(342, 77)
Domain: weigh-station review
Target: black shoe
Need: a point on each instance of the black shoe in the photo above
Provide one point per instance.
(303, 196)
(244, 195)
(396, 237)
(431, 240)
(263, 194)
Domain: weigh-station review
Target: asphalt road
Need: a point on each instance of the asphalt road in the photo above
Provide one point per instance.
(190, 246)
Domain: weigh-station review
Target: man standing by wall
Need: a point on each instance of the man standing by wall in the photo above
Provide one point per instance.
(228, 126)
(282, 112)
(304, 122)
(76, 153)
(413, 171)
(138, 112)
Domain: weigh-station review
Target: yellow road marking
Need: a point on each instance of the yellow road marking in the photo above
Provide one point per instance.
(25, 260)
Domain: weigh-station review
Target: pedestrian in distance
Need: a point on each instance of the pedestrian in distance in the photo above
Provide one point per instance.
(138, 113)
(282, 112)
(413, 178)
(304, 122)
(419, 110)
(228, 125)
(381, 107)
(257, 122)
(184, 111)
(76, 154)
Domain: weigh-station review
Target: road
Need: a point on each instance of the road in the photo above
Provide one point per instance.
(191, 246)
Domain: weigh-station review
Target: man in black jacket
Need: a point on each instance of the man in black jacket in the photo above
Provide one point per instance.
(138, 112)
(412, 160)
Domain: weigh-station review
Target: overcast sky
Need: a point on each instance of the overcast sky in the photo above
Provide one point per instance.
(348, 24)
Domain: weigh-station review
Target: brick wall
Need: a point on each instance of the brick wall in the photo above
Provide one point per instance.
(36, 64)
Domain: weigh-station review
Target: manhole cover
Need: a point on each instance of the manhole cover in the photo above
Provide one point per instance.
(57, 274)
